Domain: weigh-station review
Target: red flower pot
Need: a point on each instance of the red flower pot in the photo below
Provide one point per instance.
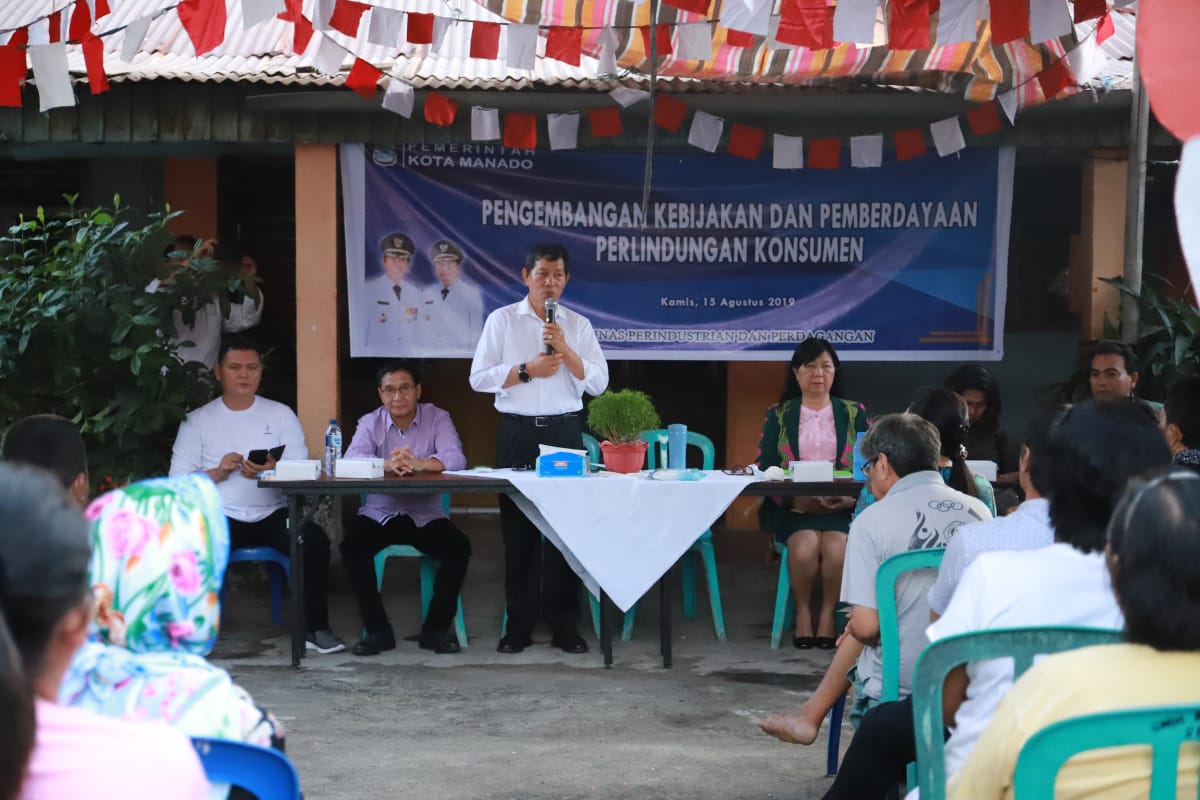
(623, 458)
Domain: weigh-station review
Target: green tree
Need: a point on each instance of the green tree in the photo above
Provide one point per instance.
(84, 333)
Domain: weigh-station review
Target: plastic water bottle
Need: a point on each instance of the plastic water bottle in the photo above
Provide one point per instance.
(677, 446)
(333, 446)
(859, 459)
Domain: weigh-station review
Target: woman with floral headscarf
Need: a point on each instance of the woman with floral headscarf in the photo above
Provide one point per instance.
(159, 551)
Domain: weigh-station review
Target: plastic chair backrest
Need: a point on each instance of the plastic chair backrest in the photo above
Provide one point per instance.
(265, 773)
(938, 659)
(889, 622)
(660, 437)
(593, 448)
(1164, 728)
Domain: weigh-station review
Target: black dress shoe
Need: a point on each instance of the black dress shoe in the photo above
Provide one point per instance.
(440, 643)
(570, 643)
(803, 642)
(826, 643)
(513, 644)
(375, 643)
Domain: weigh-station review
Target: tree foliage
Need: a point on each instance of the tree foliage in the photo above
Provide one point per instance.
(84, 332)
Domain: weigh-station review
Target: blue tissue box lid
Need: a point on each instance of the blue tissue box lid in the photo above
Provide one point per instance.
(562, 465)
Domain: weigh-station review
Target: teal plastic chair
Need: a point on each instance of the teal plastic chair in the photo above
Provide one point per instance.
(702, 548)
(428, 573)
(279, 570)
(889, 622)
(262, 771)
(1164, 728)
(938, 659)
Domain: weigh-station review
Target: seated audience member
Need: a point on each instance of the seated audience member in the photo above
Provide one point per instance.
(986, 439)
(1112, 370)
(217, 439)
(1092, 452)
(208, 323)
(413, 437)
(1181, 422)
(1153, 560)
(52, 443)
(811, 424)
(52, 751)
(946, 411)
(159, 552)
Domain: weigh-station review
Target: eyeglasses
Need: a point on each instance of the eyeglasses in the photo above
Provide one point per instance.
(866, 468)
(392, 391)
(739, 471)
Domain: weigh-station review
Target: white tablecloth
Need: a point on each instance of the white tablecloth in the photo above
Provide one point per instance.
(622, 532)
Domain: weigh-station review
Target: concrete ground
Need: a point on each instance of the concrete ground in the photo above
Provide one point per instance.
(540, 724)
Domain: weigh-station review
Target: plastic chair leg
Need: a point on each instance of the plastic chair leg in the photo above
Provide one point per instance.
(276, 576)
(594, 603)
(709, 556)
(835, 735)
(627, 626)
(687, 574)
(782, 590)
(428, 575)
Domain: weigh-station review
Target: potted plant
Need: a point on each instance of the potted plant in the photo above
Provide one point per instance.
(618, 419)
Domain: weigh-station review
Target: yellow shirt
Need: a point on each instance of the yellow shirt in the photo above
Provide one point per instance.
(1085, 681)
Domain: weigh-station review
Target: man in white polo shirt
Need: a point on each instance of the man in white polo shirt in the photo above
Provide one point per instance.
(217, 439)
(538, 371)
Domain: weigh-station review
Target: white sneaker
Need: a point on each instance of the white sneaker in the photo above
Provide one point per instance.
(324, 642)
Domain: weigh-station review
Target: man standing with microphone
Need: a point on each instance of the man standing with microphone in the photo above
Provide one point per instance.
(538, 358)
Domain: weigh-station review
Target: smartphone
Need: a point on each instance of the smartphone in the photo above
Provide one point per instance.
(260, 456)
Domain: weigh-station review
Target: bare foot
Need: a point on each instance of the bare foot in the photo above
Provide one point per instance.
(794, 727)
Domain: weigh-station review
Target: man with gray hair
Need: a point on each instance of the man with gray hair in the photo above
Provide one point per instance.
(916, 511)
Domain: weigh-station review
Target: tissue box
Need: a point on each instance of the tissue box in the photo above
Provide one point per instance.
(298, 469)
(562, 465)
(812, 471)
(358, 468)
(987, 469)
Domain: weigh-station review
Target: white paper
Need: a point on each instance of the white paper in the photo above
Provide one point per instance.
(1048, 19)
(49, 62)
(322, 13)
(706, 131)
(985, 469)
(947, 136)
(1008, 102)
(256, 11)
(441, 27)
(386, 27)
(547, 450)
(564, 131)
(1187, 209)
(1086, 61)
(135, 34)
(956, 21)
(625, 97)
(399, 98)
(693, 41)
(866, 151)
(329, 56)
(854, 21)
(787, 152)
(485, 124)
(753, 16)
(608, 52)
(522, 46)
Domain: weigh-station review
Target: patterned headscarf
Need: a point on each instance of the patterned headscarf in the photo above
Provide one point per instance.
(159, 551)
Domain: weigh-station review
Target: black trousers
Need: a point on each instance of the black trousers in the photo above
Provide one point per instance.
(272, 532)
(535, 568)
(878, 756)
(439, 539)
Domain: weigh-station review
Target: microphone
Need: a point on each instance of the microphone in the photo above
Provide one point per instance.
(551, 311)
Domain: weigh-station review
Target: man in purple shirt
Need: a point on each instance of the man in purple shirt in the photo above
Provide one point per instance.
(411, 437)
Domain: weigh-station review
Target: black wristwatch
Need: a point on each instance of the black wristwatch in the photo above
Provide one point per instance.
(523, 374)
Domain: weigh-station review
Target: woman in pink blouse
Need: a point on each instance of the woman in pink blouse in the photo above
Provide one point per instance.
(810, 424)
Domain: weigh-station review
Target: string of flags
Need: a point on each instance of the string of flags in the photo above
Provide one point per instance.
(205, 21)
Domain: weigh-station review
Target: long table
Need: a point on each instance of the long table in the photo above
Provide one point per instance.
(483, 483)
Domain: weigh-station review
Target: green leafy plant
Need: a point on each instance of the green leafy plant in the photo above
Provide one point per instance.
(620, 417)
(1166, 336)
(84, 335)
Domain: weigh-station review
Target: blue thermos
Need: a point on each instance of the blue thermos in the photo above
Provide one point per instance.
(859, 460)
(677, 446)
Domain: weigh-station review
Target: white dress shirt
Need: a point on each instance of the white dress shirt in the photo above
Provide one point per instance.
(452, 317)
(214, 429)
(512, 335)
(391, 320)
